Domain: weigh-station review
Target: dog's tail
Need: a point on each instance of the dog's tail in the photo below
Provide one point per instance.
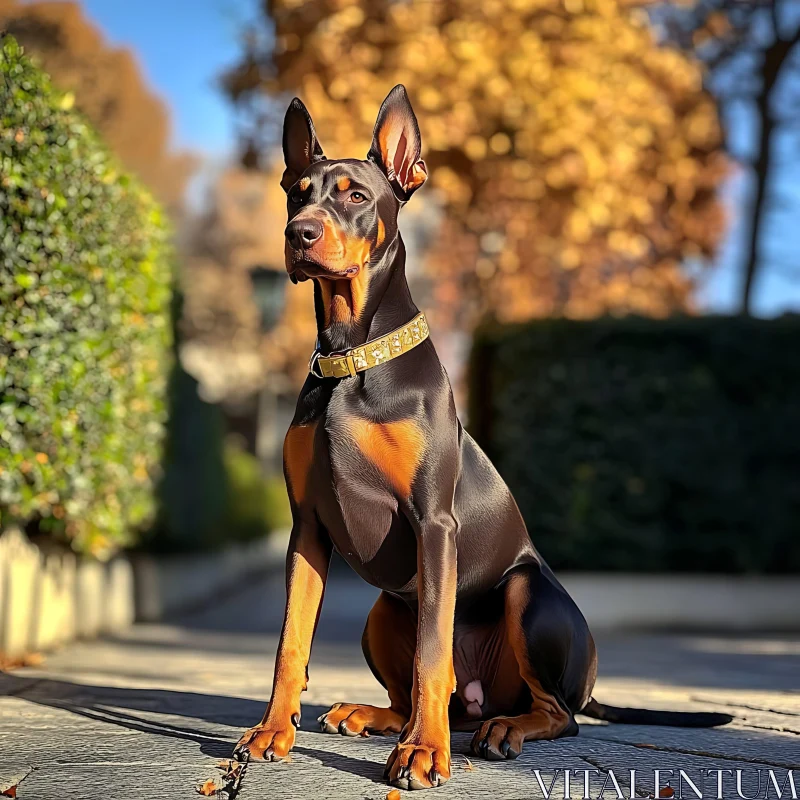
(646, 716)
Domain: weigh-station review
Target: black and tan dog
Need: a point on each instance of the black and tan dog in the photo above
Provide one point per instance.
(471, 630)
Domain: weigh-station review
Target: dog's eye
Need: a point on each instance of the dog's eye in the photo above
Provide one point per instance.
(357, 197)
(297, 199)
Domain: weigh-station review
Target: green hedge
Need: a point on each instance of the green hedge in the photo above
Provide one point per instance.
(85, 274)
(212, 492)
(647, 445)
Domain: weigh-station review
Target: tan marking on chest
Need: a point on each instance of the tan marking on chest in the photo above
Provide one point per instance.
(298, 454)
(395, 448)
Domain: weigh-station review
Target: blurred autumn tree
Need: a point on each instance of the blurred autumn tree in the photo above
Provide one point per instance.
(576, 160)
(224, 347)
(752, 50)
(108, 88)
(219, 326)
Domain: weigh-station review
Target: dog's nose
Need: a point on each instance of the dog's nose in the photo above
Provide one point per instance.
(302, 233)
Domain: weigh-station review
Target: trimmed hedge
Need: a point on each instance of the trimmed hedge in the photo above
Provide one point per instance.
(193, 493)
(212, 492)
(85, 276)
(646, 445)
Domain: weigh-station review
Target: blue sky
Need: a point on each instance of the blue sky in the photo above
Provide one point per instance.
(183, 45)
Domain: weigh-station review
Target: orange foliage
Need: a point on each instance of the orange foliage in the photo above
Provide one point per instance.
(575, 160)
(108, 87)
(223, 344)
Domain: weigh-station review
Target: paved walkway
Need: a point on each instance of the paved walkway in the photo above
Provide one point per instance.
(151, 713)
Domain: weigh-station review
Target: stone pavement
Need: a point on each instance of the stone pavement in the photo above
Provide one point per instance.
(151, 713)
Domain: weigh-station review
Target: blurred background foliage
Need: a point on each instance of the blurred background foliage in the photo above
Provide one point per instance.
(110, 89)
(576, 160)
(85, 403)
(212, 491)
(577, 151)
(85, 329)
(647, 445)
(748, 50)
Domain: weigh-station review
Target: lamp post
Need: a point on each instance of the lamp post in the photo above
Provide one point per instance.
(269, 292)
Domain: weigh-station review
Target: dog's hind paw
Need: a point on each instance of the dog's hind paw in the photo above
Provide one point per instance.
(498, 739)
(351, 719)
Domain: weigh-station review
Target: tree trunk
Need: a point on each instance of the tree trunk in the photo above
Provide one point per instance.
(758, 207)
(774, 58)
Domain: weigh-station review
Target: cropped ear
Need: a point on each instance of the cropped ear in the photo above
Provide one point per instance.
(300, 145)
(396, 145)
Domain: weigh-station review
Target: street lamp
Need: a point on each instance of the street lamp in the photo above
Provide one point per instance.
(269, 292)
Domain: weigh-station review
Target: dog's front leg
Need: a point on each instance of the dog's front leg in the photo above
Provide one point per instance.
(307, 563)
(422, 757)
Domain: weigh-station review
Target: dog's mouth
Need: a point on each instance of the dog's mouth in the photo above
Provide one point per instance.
(304, 268)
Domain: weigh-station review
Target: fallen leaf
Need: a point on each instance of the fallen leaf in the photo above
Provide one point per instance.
(226, 785)
(8, 663)
(10, 783)
(393, 795)
(666, 791)
(209, 788)
(231, 769)
(468, 766)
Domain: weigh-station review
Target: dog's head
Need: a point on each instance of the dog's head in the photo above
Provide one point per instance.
(343, 214)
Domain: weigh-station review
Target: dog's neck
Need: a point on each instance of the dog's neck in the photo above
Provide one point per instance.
(388, 305)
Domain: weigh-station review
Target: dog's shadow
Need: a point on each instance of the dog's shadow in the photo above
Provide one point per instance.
(165, 712)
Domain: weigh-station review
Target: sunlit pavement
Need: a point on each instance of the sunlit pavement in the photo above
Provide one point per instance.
(150, 714)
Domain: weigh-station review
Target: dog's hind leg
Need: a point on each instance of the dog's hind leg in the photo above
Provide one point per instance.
(556, 659)
(389, 644)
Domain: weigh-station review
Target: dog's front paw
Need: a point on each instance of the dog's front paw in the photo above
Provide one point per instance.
(265, 742)
(418, 766)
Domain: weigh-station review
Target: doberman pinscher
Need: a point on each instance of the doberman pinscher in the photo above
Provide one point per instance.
(472, 630)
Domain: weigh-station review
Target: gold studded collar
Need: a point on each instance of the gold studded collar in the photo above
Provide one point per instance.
(372, 354)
